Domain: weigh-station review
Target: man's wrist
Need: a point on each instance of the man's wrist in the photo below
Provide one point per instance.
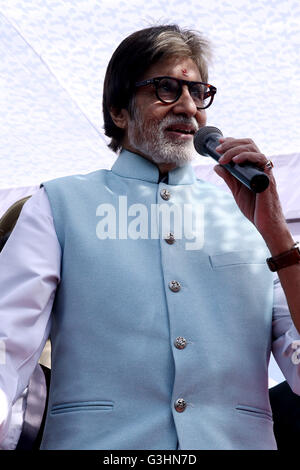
(280, 242)
(285, 259)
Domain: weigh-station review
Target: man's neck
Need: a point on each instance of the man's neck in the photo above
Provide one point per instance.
(164, 168)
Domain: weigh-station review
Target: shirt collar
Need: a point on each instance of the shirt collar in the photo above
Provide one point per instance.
(131, 165)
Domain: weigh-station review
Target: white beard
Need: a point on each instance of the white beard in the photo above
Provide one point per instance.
(150, 139)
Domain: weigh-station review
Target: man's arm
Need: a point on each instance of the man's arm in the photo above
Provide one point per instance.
(286, 340)
(290, 276)
(264, 211)
(29, 274)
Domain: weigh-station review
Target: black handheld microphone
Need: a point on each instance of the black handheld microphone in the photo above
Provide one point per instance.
(206, 140)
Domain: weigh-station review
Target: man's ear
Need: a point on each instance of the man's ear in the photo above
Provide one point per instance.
(120, 117)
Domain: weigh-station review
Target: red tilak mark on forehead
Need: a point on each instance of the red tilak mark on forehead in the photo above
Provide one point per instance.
(184, 71)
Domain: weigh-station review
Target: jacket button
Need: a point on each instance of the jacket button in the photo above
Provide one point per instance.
(174, 286)
(180, 342)
(180, 405)
(165, 194)
(170, 239)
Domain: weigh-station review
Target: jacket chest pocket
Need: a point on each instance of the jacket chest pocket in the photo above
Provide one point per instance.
(235, 258)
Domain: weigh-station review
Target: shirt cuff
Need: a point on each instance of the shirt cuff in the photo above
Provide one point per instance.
(15, 424)
(5, 416)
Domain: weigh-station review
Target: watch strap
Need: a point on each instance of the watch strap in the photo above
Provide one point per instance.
(285, 259)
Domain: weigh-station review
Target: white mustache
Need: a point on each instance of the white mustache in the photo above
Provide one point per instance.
(174, 120)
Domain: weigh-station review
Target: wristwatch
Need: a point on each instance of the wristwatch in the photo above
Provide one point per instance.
(285, 259)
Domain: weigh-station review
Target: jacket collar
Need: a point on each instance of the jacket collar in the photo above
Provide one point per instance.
(131, 165)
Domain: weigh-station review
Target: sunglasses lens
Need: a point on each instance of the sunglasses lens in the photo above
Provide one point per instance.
(201, 95)
(168, 90)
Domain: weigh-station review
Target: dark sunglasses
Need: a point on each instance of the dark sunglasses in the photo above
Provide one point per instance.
(168, 90)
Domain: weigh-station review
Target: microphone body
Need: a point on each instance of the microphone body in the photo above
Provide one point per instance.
(206, 140)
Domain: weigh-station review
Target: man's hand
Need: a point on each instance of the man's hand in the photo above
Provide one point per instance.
(262, 209)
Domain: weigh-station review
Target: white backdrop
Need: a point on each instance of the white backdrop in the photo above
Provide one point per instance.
(54, 54)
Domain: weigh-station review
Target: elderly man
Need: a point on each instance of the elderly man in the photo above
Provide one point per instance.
(161, 332)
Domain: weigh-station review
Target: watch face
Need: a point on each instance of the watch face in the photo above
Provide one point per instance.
(271, 265)
(297, 253)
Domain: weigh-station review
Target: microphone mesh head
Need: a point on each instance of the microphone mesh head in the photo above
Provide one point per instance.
(202, 135)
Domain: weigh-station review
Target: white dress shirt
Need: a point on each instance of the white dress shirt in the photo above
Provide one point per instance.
(29, 274)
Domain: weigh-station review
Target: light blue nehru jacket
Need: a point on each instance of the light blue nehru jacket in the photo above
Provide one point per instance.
(116, 371)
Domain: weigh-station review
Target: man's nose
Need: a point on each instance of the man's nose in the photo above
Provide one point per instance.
(185, 104)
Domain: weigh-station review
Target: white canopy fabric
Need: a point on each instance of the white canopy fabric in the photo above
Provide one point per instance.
(53, 60)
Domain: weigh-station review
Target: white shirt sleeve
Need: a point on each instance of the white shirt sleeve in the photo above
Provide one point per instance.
(29, 274)
(11, 439)
(286, 339)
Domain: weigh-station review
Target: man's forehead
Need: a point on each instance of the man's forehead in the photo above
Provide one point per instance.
(174, 65)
